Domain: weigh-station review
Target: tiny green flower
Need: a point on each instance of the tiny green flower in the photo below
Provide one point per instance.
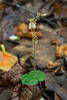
(35, 39)
(32, 25)
(44, 14)
(42, 99)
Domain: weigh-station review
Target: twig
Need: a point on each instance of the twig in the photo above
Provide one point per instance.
(1, 37)
(32, 12)
(58, 19)
(43, 94)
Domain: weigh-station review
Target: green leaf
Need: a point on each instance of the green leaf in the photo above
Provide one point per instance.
(25, 79)
(29, 79)
(32, 81)
(36, 73)
(41, 76)
(3, 48)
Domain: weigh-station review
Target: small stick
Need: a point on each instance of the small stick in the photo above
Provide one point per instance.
(1, 37)
(32, 12)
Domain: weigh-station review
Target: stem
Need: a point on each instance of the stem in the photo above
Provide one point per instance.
(34, 59)
(33, 92)
(34, 51)
(34, 64)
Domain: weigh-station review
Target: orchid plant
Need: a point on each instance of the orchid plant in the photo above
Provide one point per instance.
(34, 76)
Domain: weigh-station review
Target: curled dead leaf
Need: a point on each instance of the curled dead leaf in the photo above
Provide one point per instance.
(61, 51)
(21, 30)
(51, 64)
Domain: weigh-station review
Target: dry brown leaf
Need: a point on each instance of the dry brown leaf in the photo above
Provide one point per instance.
(21, 30)
(14, 74)
(51, 84)
(59, 10)
(61, 50)
(27, 93)
(7, 61)
(56, 96)
(57, 65)
(54, 41)
(59, 69)
(51, 64)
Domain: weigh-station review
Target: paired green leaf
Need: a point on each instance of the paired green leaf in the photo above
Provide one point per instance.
(29, 79)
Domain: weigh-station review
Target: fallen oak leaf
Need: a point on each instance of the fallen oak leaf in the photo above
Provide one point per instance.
(51, 84)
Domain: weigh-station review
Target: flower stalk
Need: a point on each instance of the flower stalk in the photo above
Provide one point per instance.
(32, 25)
(34, 50)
